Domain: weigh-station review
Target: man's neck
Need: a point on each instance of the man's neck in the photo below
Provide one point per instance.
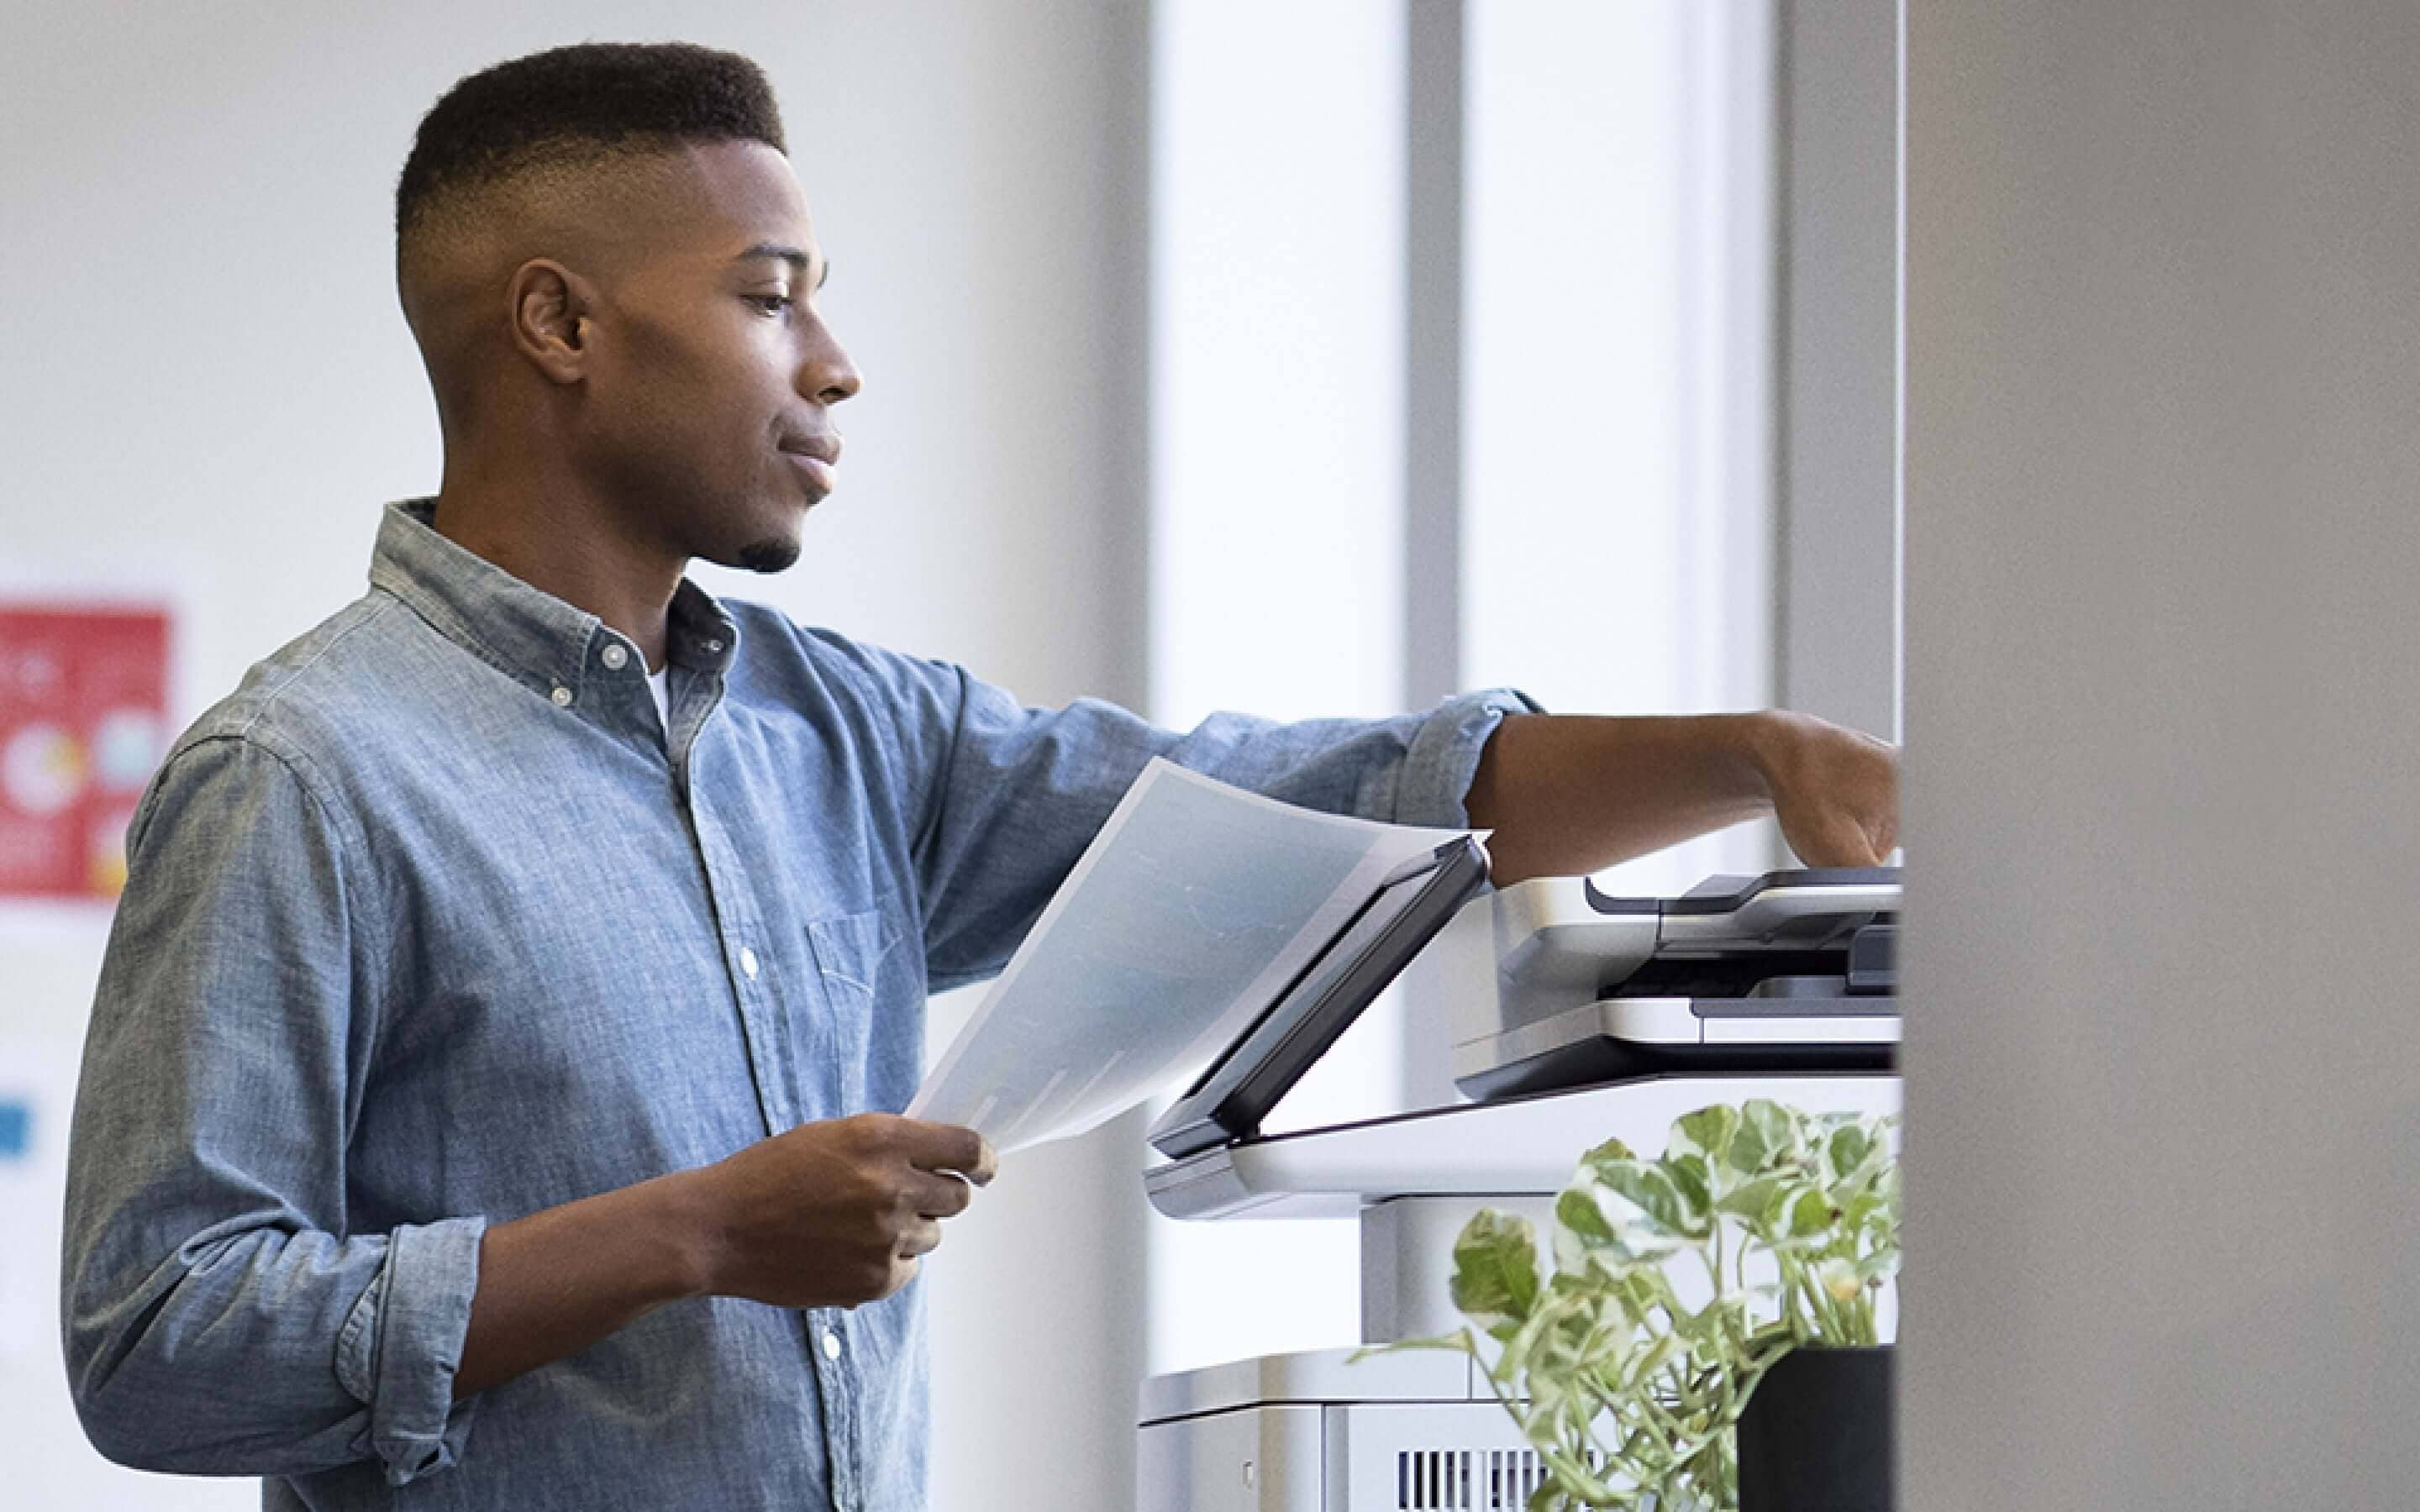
(564, 545)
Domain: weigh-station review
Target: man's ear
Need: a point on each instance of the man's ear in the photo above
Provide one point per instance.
(550, 323)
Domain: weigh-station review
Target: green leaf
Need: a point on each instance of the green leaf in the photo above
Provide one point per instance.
(1646, 1210)
(1577, 1210)
(1573, 1255)
(1846, 1151)
(1749, 1199)
(1769, 1135)
(1496, 1270)
(1707, 1132)
(1649, 1289)
(1798, 1212)
(1611, 1149)
(1806, 1213)
(1695, 1181)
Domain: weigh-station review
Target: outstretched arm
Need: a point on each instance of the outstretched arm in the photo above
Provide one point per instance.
(1568, 795)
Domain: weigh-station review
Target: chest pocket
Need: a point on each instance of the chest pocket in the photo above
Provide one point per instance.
(851, 952)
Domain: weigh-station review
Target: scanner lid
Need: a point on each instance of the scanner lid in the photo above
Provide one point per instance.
(1408, 908)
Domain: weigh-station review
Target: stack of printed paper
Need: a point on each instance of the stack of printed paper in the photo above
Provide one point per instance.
(1195, 906)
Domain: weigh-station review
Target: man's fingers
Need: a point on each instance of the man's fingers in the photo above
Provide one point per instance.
(1838, 801)
(1885, 838)
(1839, 839)
(946, 1147)
(1866, 848)
(941, 1196)
(1854, 843)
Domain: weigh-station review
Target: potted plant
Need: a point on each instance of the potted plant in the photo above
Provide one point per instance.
(1677, 1283)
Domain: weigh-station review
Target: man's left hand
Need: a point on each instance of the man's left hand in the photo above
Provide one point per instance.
(1571, 795)
(1835, 791)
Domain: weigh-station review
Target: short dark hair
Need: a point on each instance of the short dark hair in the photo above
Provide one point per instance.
(579, 104)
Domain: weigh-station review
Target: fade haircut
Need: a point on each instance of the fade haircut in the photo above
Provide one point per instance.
(571, 109)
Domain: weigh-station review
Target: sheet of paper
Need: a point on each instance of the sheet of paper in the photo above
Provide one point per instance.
(1193, 906)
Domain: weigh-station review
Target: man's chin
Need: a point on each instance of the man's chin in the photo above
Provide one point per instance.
(774, 554)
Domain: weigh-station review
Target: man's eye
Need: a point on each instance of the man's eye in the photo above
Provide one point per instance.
(770, 303)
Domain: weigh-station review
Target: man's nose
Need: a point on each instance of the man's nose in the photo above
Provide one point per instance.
(827, 375)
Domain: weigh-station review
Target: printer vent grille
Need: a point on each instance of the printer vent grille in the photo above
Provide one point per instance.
(1469, 1480)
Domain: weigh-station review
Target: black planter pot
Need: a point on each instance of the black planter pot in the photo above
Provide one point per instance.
(1816, 1437)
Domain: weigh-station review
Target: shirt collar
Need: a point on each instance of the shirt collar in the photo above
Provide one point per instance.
(523, 631)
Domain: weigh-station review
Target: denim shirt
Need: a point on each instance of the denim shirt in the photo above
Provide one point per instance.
(432, 924)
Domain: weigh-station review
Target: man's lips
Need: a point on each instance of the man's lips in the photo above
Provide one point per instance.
(818, 460)
(818, 472)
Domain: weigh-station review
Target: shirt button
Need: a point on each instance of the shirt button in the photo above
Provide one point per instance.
(748, 964)
(832, 1345)
(616, 658)
(562, 697)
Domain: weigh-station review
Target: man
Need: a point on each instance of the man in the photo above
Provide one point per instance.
(486, 1099)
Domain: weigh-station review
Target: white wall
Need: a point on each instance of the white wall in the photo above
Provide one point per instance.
(2163, 1140)
(203, 378)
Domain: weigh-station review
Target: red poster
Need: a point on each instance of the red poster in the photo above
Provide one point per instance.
(84, 720)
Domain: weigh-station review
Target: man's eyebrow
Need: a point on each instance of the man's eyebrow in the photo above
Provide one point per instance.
(796, 256)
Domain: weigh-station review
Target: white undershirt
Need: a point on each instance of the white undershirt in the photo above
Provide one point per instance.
(660, 683)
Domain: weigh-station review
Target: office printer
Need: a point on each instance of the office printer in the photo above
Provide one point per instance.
(1577, 1017)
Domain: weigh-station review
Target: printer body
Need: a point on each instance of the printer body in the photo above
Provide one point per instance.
(1577, 1017)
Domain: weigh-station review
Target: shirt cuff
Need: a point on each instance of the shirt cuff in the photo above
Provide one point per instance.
(403, 1343)
(1444, 756)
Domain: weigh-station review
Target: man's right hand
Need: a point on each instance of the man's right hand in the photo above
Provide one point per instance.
(836, 1214)
(831, 1214)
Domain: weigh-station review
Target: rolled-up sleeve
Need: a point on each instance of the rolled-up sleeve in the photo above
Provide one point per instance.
(1018, 792)
(218, 1316)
